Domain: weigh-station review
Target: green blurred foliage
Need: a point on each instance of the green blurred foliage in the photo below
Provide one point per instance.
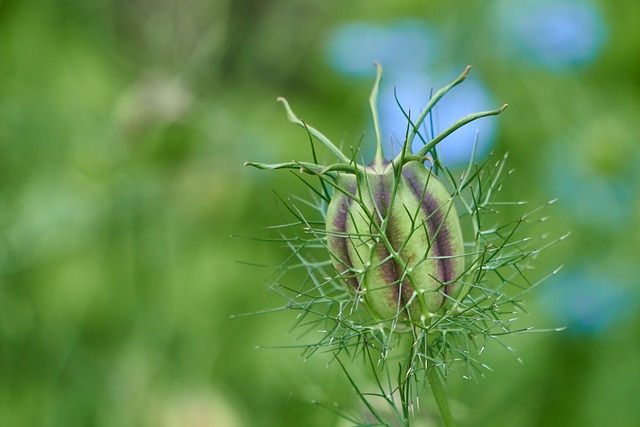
(123, 128)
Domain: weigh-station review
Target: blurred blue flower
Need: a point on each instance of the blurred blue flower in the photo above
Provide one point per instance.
(554, 34)
(408, 53)
(589, 300)
(404, 45)
(595, 198)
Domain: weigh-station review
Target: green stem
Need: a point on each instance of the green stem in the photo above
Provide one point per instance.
(378, 161)
(313, 131)
(309, 167)
(436, 97)
(457, 125)
(404, 379)
(440, 396)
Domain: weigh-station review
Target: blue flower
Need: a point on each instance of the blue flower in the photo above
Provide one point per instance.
(405, 45)
(408, 52)
(553, 34)
(588, 300)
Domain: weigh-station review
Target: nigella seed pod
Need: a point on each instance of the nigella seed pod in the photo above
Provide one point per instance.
(392, 230)
(386, 272)
(395, 238)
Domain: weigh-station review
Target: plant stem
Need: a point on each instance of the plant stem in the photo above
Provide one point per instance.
(313, 131)
(433, 101)
(457, 125)
(404, 386)
(379, 160)
(440, 396)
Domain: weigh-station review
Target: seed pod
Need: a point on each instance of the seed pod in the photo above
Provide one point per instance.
(392, 229)
(396, 239)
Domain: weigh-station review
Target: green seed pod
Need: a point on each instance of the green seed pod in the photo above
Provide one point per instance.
(396, 239)
(392, 230)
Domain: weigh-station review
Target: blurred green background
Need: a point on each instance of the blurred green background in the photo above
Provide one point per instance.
(123, 129)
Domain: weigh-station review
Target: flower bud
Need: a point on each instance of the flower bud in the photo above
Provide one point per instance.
(396, 239)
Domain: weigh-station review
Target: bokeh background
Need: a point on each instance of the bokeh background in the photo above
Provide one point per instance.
(123, 129)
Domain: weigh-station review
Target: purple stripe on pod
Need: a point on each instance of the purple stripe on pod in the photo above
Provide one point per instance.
(413, 218)
(437, 226)
(338, 241)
